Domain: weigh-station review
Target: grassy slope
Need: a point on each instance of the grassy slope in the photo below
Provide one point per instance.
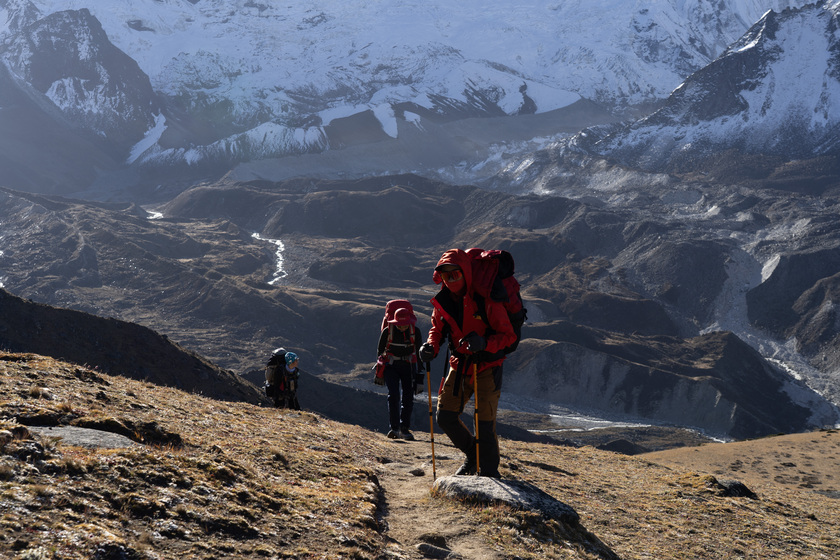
(231, 480)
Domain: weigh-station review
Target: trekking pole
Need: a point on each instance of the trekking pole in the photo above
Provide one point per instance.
(431, 423)
(475, 390)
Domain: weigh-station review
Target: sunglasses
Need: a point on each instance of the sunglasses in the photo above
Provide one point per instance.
(452, 275)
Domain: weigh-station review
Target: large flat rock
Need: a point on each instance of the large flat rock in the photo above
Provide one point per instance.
(84, 437)
(515, 493)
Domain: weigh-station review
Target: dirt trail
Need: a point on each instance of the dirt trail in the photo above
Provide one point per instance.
(416, 524)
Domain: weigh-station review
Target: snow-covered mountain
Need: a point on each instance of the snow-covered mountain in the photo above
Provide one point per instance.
(239, 80)
(775, 91)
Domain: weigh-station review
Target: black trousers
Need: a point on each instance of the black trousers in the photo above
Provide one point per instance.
(399, 379)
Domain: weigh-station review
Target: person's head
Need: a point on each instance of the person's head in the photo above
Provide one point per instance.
(402, 319)
(291, 359)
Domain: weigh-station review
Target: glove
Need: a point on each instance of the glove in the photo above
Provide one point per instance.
(419, 381)
(427, 352)
(378, 380)
(474, 341)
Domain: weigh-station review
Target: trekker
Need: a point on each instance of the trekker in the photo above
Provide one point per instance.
(477, 330)
(289, 398)
(398, 345)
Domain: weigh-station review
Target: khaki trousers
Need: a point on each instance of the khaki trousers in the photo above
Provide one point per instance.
(489, 391)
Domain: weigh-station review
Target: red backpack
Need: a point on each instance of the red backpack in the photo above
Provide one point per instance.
(492, 277)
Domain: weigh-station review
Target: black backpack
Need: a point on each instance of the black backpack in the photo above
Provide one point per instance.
(274, 372)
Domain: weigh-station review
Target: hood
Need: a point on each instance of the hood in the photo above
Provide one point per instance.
(459, 258)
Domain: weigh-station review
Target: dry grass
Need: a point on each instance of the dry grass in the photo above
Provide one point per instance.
(227, 480)
(642, 510)
(245, 481)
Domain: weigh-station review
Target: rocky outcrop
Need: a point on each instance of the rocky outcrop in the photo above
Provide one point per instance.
(517, 494)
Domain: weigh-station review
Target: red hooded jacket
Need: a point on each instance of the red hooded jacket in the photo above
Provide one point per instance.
(458, 316)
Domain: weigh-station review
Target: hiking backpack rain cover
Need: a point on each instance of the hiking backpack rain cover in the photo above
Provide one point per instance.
(492, 277)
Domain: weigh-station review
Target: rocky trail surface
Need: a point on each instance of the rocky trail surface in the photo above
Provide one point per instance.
(421, 516)
(417, 525)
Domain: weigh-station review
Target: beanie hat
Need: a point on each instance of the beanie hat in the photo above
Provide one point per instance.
(291, 358)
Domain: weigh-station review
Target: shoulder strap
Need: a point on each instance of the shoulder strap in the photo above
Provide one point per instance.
(390, 339)
(412, 338)
(481, 305)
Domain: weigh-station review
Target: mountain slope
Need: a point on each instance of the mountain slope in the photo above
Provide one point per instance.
(114, 346)
(231, 484)
(64, 159)
(65, 61)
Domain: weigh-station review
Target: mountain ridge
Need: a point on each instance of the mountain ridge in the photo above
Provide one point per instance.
(110, 345)
(756, 98)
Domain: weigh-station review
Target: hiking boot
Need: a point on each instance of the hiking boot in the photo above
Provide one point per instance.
(468, 468)
(392, 434)
(406, 435)
(494, 474)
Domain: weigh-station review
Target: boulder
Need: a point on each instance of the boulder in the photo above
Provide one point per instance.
(515, 493)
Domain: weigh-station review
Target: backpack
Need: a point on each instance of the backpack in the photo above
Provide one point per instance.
(391, 310)
(492, 277)
(274, 372)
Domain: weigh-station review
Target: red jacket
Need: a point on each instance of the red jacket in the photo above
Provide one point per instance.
(457, 317)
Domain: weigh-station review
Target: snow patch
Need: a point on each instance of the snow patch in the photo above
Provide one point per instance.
(385, 114)
(770, 266)
(149, 139)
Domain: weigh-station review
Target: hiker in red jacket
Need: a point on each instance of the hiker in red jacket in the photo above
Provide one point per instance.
(477, 330)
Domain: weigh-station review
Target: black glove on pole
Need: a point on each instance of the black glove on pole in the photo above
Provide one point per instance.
(426, 352)
(474, 341)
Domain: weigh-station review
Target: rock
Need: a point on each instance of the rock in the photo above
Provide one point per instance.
(623, 446)
(84, 437)
(735, 489)
(432, 551)
(515, 493)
